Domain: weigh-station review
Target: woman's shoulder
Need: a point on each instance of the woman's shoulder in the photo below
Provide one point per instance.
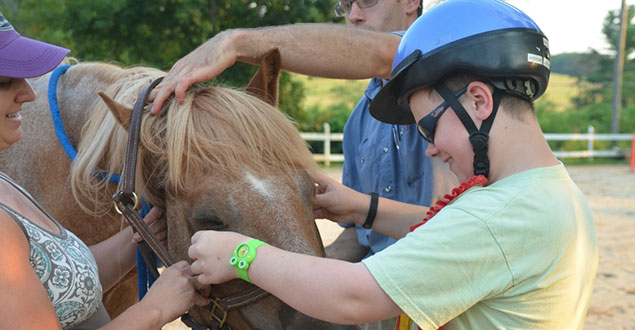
(14, 239)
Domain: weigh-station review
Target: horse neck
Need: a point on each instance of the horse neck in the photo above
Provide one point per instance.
(77, 98)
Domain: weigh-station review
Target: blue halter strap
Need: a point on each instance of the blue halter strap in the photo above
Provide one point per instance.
(145, 279)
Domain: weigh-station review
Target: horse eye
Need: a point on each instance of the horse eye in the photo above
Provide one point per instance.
(210, 223)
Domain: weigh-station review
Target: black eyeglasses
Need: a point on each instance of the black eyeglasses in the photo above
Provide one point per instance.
(428, 123)
(343, 7)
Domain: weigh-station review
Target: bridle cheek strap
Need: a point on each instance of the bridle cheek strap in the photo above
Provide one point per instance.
(479, 138)
(126, 201)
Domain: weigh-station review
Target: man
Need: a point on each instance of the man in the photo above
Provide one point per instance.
(513, 247)
(374, 152)
(378, 157)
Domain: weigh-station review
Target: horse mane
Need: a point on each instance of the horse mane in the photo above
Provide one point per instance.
(217, 128)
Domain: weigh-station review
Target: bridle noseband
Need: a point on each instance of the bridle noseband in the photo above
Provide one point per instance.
(126, 201)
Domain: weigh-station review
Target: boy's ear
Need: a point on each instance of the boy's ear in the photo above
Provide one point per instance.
(481, 98)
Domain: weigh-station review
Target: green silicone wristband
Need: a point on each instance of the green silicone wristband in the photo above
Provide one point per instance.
(244, 255)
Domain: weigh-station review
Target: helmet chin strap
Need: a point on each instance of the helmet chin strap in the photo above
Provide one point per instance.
(478, 138)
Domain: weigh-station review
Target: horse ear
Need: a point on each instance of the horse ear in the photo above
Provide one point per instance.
(264, 84)
(120, 111)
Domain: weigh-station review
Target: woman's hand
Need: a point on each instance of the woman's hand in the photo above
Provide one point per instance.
(174, 293)
(336, 202)
(158, 225)
(210, 252)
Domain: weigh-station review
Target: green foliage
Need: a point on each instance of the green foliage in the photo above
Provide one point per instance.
(611, 28)
(157, 33)
(595, 71)
(578, 120)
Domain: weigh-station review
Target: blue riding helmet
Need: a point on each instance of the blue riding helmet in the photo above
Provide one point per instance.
(487, 37)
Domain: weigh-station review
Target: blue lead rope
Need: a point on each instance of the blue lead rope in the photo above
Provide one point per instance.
(60, 131)
(145, 279)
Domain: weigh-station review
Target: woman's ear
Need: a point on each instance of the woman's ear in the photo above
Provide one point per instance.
(480, 97)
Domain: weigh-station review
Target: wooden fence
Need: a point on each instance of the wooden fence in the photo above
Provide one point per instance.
(327, 137)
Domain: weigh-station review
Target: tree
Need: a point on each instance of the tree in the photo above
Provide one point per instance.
(157, 33)
(595, 71)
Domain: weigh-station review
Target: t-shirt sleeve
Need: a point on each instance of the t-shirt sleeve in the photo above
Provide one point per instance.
(442, 268)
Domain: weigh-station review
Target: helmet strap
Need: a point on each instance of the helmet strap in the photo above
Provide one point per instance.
(479, 138)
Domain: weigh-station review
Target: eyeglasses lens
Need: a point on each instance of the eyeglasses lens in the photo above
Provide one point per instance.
(343, 7)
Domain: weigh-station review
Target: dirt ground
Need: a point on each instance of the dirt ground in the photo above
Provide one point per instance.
(611, 192)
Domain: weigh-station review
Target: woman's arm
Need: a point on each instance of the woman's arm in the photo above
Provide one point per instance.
(327, 289)
(25, 304)
(169, 297)
(115, 256)
(339, 203)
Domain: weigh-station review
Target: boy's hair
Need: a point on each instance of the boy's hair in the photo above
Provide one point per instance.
(514, 105)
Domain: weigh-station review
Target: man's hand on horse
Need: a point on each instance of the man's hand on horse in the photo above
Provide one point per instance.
(157, 222)
(204, 63)
(336, 202)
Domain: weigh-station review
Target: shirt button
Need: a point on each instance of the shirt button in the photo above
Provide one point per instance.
(363, 160)
(385, 149)
(388, 189)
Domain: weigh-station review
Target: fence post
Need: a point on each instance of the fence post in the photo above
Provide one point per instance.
(633, 153)
(591, 132)
(327, 144)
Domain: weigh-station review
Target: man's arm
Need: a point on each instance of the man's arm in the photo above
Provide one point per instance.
(339, 203)
(324, 50)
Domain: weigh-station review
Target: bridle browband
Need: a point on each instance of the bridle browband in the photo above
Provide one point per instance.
(126, 201)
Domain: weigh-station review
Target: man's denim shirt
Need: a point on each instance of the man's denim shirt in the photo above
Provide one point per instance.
(390, 160)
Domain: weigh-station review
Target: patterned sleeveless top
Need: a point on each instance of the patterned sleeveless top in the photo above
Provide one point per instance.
(65, 265)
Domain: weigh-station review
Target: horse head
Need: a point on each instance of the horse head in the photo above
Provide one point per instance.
(222, 160)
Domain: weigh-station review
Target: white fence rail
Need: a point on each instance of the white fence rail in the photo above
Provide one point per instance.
(327, 137)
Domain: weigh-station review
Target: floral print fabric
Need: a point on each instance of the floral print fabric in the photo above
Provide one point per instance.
(66, 267)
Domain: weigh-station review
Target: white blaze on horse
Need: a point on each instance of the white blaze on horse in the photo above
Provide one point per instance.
(223, 160)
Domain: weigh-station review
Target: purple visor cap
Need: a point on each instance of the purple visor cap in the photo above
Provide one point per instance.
(22, 57)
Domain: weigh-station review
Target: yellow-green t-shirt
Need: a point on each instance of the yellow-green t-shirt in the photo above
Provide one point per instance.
(518, 254)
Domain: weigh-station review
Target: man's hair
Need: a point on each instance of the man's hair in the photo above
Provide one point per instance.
(514, 105)
(420, 8)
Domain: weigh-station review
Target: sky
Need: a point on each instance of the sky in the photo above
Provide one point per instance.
(570, 25)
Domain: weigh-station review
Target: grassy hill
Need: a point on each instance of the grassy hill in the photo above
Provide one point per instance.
(560, 91)
(322, 93)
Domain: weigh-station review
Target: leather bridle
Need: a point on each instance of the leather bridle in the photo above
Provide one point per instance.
(126, 202)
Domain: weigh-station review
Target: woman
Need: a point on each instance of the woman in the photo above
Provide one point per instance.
(46, 268)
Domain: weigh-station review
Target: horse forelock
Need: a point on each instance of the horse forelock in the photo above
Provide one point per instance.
(215, 129)
(230, 132)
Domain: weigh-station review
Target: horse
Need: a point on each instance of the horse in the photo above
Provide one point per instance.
(224, 160)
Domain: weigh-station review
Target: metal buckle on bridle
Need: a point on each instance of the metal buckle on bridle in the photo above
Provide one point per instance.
(220, 321)
(120, 198)
(214, 317)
